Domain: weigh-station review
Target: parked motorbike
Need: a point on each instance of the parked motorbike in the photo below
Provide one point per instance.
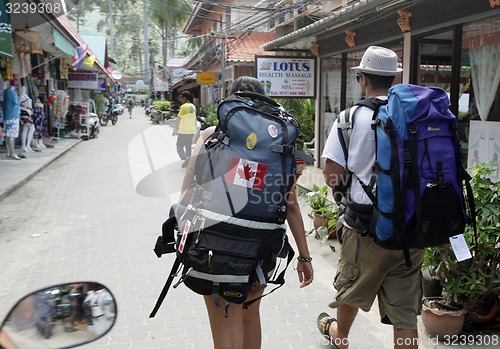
(120, 108)
(156, 116)
(36, 323)
(202, 121)
(111, 115)
(149, 110)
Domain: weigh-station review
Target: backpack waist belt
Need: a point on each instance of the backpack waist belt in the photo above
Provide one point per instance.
(217, 217)
(358, 216)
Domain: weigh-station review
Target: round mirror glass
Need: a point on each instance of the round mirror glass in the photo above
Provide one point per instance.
(60, 316)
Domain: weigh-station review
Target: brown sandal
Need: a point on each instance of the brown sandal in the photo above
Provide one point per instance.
(326, 331)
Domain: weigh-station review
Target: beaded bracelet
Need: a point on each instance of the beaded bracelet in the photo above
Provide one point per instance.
(303, 259)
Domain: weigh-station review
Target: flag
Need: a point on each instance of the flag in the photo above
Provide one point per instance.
(89, 61)
(79, 57)
(246, 173)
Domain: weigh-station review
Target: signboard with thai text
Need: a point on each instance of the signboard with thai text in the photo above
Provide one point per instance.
(287, 76)
(206, 78)
(86, 81)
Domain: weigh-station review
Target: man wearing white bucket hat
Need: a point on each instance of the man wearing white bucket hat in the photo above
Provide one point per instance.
(365, 269)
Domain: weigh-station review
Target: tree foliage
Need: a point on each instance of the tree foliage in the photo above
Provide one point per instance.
(166, 18)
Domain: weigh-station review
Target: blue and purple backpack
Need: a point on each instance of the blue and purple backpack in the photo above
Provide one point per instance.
(420, 179)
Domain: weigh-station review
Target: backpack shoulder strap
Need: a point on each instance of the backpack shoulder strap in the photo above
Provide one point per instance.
(165, 289)
(372, 103)
(280, 280)
(344, 130)
(345, 125)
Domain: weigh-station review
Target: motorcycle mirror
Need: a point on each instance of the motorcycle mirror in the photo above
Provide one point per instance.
(60, 316)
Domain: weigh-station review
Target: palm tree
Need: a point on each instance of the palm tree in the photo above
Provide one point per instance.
(169, 14)
(194, 42)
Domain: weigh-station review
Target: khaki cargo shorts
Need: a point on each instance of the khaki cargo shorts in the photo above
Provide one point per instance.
(367, 270)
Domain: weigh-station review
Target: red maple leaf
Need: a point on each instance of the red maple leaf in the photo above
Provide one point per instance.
(246, 173)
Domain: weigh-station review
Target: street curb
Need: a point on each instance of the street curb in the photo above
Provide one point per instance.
(23, 181)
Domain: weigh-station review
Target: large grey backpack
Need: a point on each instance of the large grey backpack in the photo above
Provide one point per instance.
(233, 229)
(248, 166)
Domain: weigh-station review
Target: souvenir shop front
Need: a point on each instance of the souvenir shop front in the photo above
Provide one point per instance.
(35, 61)
(32, 94)
(34, 75)
(455, 46)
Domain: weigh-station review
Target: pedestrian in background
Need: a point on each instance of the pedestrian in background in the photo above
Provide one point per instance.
(185, 126)
(130, 106)
(365, 269)
(242, 329)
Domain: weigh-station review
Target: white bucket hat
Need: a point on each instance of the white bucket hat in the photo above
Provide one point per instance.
(379, 61)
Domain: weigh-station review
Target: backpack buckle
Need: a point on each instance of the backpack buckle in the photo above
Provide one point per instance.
(413, 129)
(285, 149)
(281, 212)
(406, 157)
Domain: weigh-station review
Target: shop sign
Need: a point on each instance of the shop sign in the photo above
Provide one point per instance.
(5, 32)
(206, 78)
(87, 81)
(287, 76)
(161, 85)
(101, 83)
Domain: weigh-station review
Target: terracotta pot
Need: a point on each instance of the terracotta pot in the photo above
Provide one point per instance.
(319, 221)
(483, 319)
(441, 322)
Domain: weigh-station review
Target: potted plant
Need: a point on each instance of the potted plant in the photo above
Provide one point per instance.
(474, 283)
(441, 319)
(431, 282)
(328, 229)
(322, 212)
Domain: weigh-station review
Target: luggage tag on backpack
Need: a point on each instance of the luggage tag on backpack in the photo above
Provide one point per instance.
(460, 248)
(184, 236)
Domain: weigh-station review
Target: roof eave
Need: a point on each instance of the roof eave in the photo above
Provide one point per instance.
(338, 21)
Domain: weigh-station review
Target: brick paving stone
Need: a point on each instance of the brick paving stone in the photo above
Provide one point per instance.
(74, 213)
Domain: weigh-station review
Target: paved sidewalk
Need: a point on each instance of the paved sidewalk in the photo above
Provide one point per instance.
(15, 173)
(285, 313)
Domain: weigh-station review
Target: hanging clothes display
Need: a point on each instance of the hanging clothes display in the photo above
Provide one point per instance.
(7, 72)
(40, 121)
(1, 105)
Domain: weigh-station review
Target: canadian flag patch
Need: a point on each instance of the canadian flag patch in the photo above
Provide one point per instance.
(246, 173)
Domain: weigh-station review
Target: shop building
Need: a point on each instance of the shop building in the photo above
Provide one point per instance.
(36, 56)
(453, 44)
(227, 51)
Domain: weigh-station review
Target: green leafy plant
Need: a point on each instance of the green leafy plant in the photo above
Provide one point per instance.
(321, 208)
(432, 263)
(317, 198)
(473, 282)
(211, 114)
(330, 217)
(162, 105)
(100, 102)
(304, 110)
